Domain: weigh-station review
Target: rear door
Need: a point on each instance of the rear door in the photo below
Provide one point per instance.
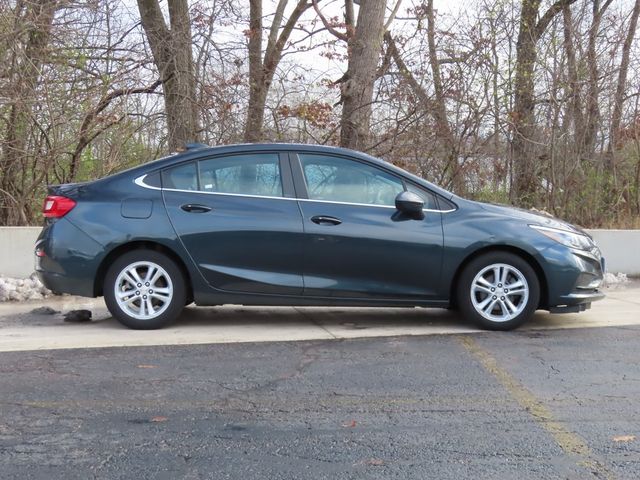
(238, 219)
(356, 243)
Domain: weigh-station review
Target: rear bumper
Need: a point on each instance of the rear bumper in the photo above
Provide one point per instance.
(67, 259)
(59, 283)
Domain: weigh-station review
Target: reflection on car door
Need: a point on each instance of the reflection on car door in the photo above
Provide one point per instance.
(356, 243)
(237, 218)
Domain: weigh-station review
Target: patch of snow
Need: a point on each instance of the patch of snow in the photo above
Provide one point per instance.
(22, 289)
(615, 279)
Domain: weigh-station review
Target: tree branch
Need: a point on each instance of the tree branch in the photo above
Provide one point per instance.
(275, 25)
(394, 12)
(349, 17)
(406, 73)
(326, 23)
(84, 137)
(272, 56)
(551, 12)
(158, 34)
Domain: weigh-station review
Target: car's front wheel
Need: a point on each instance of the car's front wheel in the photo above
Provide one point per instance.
(144, 289)
(498, 291)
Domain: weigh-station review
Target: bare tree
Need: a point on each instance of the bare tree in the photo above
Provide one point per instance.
(531, 29)
(171, 47)
(357, 88)
(25, 76)
(261, 70)
(574, 108)
(539, 104)
(88, 129)
(620, 90)
(587, 137)
(443, 129)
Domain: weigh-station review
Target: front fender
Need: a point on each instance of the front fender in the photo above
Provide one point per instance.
(467, 235)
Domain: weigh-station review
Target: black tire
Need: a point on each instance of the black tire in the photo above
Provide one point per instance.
(167, 314)
(526, 308)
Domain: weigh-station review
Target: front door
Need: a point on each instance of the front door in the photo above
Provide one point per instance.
(237, 219)
(357, 244)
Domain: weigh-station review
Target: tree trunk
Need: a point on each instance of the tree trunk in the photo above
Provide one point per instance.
(620, 91)
(443, 129)
(592, 109)
(498, 172)
(261, 71)
(257, 92)
(39, 20)
(574, 113)
(357, 89)
(526, 175)
(173, 57)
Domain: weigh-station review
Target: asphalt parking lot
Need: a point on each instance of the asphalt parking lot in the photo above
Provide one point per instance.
(392, 394)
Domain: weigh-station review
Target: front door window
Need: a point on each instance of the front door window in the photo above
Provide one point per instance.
(337, 179)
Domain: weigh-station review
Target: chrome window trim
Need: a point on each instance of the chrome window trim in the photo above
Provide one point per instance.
(140, 182)
(227, 194)
(367, 205)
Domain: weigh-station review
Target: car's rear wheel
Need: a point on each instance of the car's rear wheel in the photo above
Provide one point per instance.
(144, 289)
(498, 291)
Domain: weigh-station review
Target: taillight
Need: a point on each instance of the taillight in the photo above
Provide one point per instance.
(56, 206)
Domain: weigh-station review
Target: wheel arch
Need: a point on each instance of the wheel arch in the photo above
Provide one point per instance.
(139, 245)
(526, 256)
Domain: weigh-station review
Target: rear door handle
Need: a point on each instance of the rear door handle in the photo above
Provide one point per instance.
(195, 208)
(326, 220)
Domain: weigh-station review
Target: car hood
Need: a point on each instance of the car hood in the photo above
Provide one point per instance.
(530, 216)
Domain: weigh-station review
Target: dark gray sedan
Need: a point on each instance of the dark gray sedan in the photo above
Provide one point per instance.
(278, 224)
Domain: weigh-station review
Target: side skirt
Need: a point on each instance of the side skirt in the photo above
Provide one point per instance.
(210, 299)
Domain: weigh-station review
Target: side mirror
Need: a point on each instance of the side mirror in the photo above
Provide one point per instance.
(411, 204)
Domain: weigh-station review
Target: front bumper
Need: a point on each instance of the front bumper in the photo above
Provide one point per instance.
(576, 278)
(576, 302)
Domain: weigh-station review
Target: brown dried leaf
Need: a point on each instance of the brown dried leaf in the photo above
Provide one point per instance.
(624, 438)
(350, 424)
(159, 419)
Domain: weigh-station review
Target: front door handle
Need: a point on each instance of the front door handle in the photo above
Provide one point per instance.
(195, 208)
(326, 220)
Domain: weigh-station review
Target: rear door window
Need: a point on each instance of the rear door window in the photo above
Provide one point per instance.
(251, 174)
(182, 177)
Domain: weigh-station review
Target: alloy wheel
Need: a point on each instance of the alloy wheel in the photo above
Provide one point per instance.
(143, 290)
(499, 292)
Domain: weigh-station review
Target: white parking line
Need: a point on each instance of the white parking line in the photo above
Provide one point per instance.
(22, 330)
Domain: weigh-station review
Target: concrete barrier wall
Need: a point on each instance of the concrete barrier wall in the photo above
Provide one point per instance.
(621, 249)
(16, 251)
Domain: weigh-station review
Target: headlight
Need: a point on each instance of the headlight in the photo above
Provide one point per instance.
(565, 237)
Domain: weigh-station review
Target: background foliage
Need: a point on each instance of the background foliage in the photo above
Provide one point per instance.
(470, 96)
